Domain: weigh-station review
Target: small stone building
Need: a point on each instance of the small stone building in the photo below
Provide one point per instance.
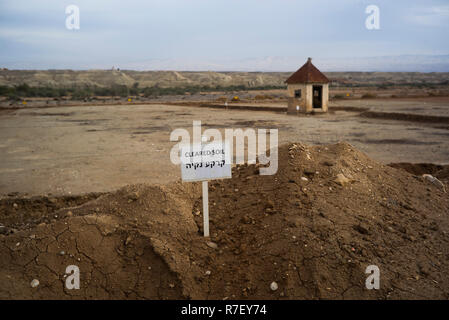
(308, 90)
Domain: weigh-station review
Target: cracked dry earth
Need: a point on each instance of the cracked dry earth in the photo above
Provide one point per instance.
(311, 234)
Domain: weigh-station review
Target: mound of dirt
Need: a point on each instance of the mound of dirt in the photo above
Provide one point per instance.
(313, 228)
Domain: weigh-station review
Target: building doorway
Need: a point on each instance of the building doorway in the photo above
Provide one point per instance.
(317, 97)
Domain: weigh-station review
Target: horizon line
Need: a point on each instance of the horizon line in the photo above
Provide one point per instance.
(2, 69)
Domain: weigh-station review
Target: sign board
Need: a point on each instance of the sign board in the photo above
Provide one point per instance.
(205, 161)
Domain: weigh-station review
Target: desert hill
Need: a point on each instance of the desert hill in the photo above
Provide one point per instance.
(108, 78)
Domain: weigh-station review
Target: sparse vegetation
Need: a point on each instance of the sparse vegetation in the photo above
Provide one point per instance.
(263, 97)
(76, 93)
(369, 96)
(221, 99)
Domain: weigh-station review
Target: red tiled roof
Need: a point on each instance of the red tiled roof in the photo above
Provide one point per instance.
(308, 73)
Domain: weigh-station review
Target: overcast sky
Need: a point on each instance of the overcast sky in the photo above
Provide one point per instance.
(265, 35)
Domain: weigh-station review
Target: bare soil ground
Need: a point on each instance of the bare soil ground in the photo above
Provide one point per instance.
(61, 168)
(81, 149)
(313, 236)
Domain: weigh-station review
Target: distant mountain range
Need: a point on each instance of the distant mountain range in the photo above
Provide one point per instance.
(402, 63)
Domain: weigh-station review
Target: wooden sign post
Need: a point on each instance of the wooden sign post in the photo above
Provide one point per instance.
(204, 162)
(206, 208)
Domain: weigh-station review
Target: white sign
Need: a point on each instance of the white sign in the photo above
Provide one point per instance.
(206, 161)
(203, 162)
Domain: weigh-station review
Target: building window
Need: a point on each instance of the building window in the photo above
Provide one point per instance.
(298, 94)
